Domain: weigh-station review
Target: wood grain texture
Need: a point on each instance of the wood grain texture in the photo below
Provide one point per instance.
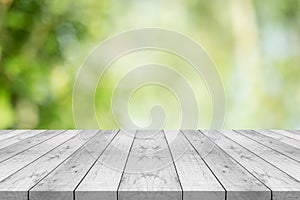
(130, 165)
(279, 160)
(238, 182)
(102, 181)
(21, 160)
(10, 134)
(61, 183)
(283, 186)
(294, 131)
(150, 172)
(23, 145)
(276, 145)
(16, 186)
(5, 131)
(280, 137)
(20, 137)
(289, 133)
(197, 181)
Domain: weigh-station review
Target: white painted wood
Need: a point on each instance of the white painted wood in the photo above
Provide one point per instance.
(4, 131)
(280, 137)
(197, 181)
(268, 156)
(238, 182)
(287, 133)
(16, 186)
(19, 161)
(102, 181)
(284, 187)
(61, 183)
(10, 134)
(276, 145)
(294, 131)
(25, 144)
(150, 172)
(17, 138)
(279, 160)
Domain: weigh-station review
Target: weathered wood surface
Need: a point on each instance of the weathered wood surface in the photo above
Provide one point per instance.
(281, 161)
(238, 182)
(281, 137)
(294, 131)
(23, 145)
(283, 186)
(18, 184)
(289, 133)
(150, 172)
(21, 160)
(61, 183)
(17, 138)
(129, 165)
(10, 134)
(103, 180)
(197, 181)
(278, 146)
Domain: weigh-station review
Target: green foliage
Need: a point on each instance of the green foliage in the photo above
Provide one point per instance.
(43, 42)
(32, 33)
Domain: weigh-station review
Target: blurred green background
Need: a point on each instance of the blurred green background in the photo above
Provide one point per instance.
(255, 45)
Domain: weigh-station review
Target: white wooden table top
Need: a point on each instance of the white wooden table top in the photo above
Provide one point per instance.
(151, 165)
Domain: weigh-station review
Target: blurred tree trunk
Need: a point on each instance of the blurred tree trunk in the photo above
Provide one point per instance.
(246, 73)
(4, 5)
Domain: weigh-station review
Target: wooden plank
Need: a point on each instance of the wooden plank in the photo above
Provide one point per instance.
(23, 145)
(284, 187)
(238, 182)
(197, 181)
(288, 133)
(4, 131)
(61, 183)
(279, 160)
(19, 161)
(276, 145)
(17, 138)
(10, 134)
(280, 137)
(102, 181)
(294, 131)
(150, 172)
(16, 186)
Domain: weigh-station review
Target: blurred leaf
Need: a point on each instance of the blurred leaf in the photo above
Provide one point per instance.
(7, 113)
